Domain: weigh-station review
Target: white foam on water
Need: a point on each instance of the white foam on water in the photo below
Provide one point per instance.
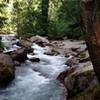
(8, 41)
(37, 81)
(38, 49)
(50, 66)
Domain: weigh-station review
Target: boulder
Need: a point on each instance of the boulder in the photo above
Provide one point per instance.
(77, 79)
(19, 55)
(49, 53)
(39, 40)
(7, 70)
(26, 44)
(78, 82)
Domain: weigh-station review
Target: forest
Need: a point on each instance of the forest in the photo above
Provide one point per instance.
(49, 50)
(43, 17)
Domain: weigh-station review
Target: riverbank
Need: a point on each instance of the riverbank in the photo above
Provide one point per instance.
(43, 66)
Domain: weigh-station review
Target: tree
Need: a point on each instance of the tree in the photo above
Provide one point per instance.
(45, 7)
(69, 12)
(91, 28)
(3, 17)
(26, 17)
(16, 5)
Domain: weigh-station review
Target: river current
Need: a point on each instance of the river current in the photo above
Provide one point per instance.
(37, 81)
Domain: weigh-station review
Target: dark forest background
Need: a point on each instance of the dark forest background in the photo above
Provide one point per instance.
(53, 18)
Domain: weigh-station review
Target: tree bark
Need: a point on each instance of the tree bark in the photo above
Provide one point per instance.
(91, 28)
(45, 7)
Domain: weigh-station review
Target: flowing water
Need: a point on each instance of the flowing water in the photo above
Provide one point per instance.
(37, 81)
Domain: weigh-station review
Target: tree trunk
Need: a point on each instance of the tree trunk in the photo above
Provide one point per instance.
(91, 28)
(45, 7)
(17, 21)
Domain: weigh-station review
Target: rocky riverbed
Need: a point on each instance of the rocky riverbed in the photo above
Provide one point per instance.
(43, 69)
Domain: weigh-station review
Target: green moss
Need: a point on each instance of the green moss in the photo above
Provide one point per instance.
(91, 93)
(88, 73)
(82, 55)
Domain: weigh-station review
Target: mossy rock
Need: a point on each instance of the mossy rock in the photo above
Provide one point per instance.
(79, 82)
(91, 93)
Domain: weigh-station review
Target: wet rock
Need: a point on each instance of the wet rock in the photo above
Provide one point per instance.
(16, 63)
(49, 53)
(7, 70)
(19, 55)
(34, 59)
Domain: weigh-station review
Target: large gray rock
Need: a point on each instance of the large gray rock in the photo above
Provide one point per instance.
(78, 79)
(39, 40)
(76, 83)
(7, 70)
(26, 44)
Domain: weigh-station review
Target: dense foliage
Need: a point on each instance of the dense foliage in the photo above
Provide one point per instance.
(53, 18)
(3, 17)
